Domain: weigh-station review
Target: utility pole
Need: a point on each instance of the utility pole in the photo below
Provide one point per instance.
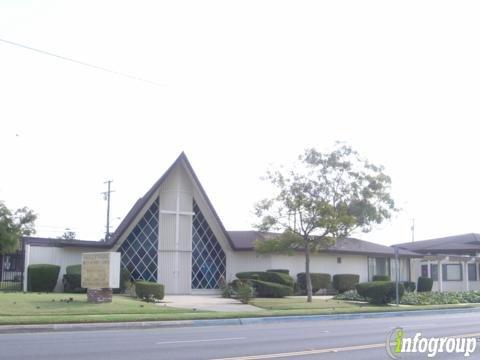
(106, 196)
(413, 230)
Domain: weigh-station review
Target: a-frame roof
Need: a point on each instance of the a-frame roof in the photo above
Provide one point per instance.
(141, 203)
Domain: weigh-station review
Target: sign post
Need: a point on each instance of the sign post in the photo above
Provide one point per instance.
(100, 274)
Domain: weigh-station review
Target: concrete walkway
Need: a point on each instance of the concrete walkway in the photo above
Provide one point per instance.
(206, 303)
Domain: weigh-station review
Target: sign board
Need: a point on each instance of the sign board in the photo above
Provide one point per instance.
(101, 270)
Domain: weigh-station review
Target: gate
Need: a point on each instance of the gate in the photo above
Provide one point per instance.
(11, 272)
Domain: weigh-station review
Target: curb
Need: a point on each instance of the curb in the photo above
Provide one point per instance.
(12, 329)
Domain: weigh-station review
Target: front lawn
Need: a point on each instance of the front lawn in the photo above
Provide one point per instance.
(32, 308)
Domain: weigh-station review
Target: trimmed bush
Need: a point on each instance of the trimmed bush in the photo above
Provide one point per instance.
(42, 277)
(124, 279)
(74, 269)
(424, 284)
(380, 292)
(283, 271)
(409, 286)
(319, 281)
(147, 290)
(380, 278)
(269, 289)
(345, 282)
(72, 283)
(274, 277)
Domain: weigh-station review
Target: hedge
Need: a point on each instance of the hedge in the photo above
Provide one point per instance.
(380, 292)
(381, 278)
(74, 269)
(409, 286)
(149, 290)
(42, 277)
(319, 281)
(424, 284)
(269, 289)
(345, 282)
(283, 271)
(268, 276)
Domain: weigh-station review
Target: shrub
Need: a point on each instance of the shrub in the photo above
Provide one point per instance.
(345, 282)
(269, 289)
(283, 271)
(148, 290)
(380, 292)
(244, 292)
(124, 280)
(42, 277)
(319, 281)
(424, 284)
(72, 283)
(409, 286)
(74, 269)
(439, 298)
(351, 295)
(381, 278)
(274, 277)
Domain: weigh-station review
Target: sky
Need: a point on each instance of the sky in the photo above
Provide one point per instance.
(240, 86)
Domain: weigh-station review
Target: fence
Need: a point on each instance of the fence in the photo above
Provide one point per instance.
(11, 272)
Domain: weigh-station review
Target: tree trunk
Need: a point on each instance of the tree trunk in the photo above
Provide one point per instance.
(308, 279)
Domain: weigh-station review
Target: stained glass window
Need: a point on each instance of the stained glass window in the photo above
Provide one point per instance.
(208, 257)
(139, 250)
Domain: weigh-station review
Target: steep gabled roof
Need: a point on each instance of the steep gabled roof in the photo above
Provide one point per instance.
(133, 213)
(244, 240)
(140, 203)
(455, 244)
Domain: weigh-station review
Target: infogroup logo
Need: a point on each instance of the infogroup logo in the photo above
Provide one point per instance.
(397, 343)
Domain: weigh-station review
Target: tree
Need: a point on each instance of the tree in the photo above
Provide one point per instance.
(68, 235)
(323, 198)
(13, 225)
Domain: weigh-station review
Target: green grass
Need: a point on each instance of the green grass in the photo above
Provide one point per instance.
(32, 308)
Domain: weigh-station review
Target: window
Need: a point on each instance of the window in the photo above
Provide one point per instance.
(378, 266)
(452, 272)
(434, 272)
(424, 270)
(339, 260)
(472, 272)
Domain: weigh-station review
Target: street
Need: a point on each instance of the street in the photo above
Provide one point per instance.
(340, 339)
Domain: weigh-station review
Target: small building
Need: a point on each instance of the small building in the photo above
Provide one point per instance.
(174, 236)
(456, 256)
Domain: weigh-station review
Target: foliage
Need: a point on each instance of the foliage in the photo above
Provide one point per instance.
(42, 277)
(270, 289)
(345, 282)
(439, 298)
(380, 292)
(325, 197)
(424, 284)
(319, 281)
(283, 271)
(278, 278)
(244, 292)
(350, 295)
(13, 225)
(149, 290)
(68, 235)
(74, 269)
(380, 278)
(72, 283)
(409, 286)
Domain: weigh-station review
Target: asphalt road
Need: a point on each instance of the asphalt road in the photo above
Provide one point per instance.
(360, 339)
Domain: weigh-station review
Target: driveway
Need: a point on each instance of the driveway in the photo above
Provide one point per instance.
(207, 303)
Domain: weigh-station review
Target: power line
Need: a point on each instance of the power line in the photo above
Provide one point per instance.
(65, 58)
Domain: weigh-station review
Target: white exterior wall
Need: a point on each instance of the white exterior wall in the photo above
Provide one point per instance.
(60, 256)
(320, 263)
(446, 285)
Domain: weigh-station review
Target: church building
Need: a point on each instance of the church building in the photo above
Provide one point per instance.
(174, 236)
